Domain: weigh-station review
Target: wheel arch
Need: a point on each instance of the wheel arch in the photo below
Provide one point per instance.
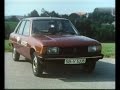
(32, 50)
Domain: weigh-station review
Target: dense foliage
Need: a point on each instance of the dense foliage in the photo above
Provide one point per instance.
(9, 27)
(96, 25)
(34, 13)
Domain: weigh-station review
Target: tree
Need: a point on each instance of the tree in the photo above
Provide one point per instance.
(101, 17)
(54, 14)
(34, 13)
(74, 18)
(44, 13)
(48, 14)
(65, 16)
(13, 18)
(7, 31)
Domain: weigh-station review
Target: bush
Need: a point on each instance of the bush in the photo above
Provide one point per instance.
(9, 27)
(104, 33)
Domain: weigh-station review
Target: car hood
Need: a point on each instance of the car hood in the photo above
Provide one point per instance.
(65, 40)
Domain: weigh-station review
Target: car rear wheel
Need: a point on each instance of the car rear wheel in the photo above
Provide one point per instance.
(37, 66)
(15, 55)
(89, 66)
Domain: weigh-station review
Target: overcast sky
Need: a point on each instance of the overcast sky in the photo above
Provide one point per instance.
(23, 7)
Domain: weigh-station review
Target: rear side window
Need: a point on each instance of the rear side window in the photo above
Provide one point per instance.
(26, 29)
(21, 27)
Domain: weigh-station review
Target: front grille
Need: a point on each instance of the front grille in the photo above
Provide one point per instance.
(74, 50)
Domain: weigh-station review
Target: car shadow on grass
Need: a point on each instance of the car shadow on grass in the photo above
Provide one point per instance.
(72, 73)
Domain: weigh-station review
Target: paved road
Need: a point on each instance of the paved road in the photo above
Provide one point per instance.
(18, 75)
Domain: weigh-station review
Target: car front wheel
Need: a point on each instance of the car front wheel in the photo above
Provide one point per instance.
(37, 66)
(15, 55)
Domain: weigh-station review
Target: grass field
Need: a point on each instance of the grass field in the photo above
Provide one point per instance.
(108, 49)
(7, 47)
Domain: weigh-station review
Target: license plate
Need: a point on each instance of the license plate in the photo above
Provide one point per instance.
(75, 60)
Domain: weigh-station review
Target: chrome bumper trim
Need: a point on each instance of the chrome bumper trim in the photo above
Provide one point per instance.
(100, 57)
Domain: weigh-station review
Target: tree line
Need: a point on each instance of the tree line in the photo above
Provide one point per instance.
(96, 25)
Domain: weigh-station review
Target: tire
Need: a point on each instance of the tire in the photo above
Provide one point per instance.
(89, 66)
(15, 55)
(37, 66)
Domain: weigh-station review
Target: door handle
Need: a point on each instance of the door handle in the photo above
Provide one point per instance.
(18, 39)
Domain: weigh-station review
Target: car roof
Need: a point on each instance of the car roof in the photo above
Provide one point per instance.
(37, 18)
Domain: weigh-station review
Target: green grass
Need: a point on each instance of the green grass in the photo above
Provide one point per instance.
(7, 47)
(108, 49)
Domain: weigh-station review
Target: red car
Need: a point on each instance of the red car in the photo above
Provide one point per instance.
(43, 39)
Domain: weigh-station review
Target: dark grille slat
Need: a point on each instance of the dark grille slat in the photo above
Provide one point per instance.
(74, 50)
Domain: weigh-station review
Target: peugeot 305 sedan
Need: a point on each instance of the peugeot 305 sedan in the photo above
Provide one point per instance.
(51, 39)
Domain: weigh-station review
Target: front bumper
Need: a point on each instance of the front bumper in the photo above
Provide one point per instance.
(63, 58)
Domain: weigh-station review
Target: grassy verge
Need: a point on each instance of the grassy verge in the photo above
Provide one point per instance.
(7, 47)
(108, 49)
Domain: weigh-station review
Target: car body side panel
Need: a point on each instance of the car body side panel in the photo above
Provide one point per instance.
(25, 44)
(13, 39)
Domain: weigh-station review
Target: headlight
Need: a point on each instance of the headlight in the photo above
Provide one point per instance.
(94, 48)
(52, 50)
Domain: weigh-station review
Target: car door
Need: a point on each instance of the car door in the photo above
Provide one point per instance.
(25, 39)
(18, 37)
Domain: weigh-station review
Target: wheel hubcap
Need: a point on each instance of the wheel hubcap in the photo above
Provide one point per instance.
(35, 64)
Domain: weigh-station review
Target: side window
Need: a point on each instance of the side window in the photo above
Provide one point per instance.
(26, 29)
(21, 27)
(17, 28)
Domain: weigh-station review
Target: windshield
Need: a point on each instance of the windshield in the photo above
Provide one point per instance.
(53, 27)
